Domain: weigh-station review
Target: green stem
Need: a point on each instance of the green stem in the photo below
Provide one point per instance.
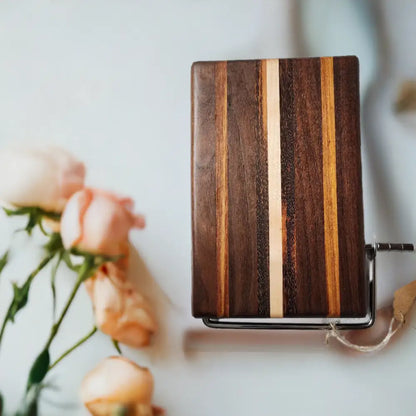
(3, 262)
(53, 279)
(27, 284)
(41, 365)
(86, 269)
(74, 347)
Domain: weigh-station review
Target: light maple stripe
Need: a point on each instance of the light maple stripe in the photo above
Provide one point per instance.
(221, 174)
(274, 188)
(330, 187)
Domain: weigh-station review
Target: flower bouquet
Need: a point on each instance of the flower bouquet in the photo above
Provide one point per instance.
(85, 230)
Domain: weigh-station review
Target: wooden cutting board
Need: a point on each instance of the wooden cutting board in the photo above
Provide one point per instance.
(277, 212)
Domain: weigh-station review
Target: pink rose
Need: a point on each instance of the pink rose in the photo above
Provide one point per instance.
(120, 311)
(98, 222)
(42, 177)
(119, 385)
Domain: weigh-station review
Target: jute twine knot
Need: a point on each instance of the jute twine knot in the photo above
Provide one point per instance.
(404, 298)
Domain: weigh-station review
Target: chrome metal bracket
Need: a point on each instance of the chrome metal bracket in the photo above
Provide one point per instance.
(371, 251)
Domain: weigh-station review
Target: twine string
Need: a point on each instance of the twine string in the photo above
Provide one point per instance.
(335, 333)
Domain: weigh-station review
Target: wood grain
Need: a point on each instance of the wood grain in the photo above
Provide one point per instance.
(311, 283)
(330, 186)
(287, 135)
(221, 150)
(353, 288)
(263, 192)
(204, 281)
(276, 189)
(243, 136)
(272, 100)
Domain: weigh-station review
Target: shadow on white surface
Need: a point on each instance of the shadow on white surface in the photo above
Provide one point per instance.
(225, 340)
(160, 302)
(217, 340)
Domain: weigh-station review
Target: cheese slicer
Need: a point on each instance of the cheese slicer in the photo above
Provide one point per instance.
(277, 198)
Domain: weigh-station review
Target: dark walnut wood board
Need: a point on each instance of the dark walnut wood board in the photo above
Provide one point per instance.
(277, 212)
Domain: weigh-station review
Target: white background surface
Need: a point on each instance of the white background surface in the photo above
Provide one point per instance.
(110, 81)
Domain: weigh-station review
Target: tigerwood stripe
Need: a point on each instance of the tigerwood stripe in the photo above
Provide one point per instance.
(262, 192)
(330, 187)
(287, 135)
(272, 114)
(221, 170)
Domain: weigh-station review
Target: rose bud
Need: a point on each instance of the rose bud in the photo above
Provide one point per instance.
(43, 177)
(119, 386)
(120, 311)
(98, 222)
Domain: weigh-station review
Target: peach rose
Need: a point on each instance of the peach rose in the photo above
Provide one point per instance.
(118, 384)
(42, 177)
(120, 311)
(98, 222)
